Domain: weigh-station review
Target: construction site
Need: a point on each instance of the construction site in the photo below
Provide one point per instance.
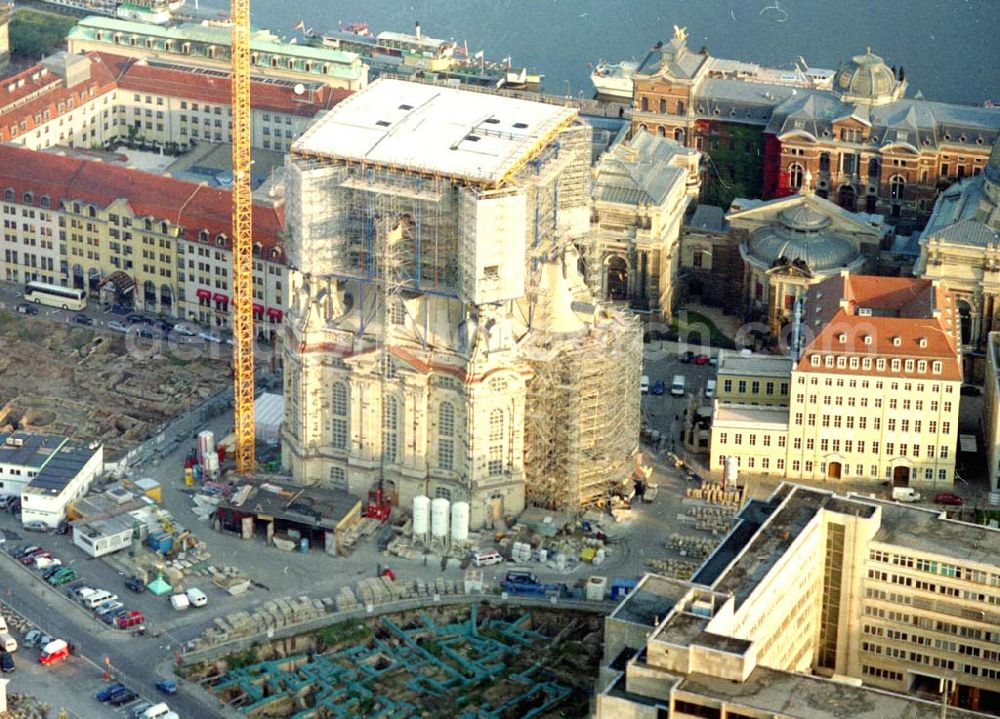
(439, 339)
(78, 381)
(469, 662)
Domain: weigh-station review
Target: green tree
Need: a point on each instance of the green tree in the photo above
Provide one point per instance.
(36, 34)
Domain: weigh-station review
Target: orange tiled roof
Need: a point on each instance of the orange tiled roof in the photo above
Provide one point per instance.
(193, 207)
(910, 319)
(17, 105)
(178, 82)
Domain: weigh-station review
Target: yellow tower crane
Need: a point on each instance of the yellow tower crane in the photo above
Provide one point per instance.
(243, 383)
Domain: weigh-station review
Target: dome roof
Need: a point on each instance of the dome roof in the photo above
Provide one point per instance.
(865, 77)
(801, 234)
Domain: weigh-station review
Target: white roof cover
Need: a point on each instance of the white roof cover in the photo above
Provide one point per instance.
(472, 135)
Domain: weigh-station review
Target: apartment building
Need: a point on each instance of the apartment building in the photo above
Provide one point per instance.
(100, 99)
(208, 46)
(874, 395)
(746, 378)
(76, 222)
(815, 606)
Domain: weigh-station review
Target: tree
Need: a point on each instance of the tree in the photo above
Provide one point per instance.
(35, 34)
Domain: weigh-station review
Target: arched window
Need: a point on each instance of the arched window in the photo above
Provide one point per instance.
(663, 104)
(644, 104)
(8, 195)
(873, 169)
(92, 211)
(680, 107)
(679, 135)
(795, 176)
(662, 131)
(390, 429)
(824, 162)
(897, 186)
(446, 436)
(498, 433)
(28, 198)
(203, 235)
(45, 201)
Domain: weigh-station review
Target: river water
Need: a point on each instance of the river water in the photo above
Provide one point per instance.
(950, 49)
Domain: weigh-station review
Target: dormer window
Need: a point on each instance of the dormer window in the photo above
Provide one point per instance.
(922, 366)
(936, 367)
(828, 361)
(842, 338)
(220, 240)
(922, 342)
(908, 365)
(896, 341)
(203, 235)
(896, 365)
(868, 339)
(815, 361)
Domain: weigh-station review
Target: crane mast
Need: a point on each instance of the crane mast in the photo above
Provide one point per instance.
(243, 373)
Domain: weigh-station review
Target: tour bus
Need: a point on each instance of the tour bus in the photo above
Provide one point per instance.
(68, 298)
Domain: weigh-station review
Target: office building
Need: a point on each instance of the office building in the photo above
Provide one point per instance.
(815, 606)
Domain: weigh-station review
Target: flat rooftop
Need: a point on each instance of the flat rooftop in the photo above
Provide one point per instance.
(55, 460)
(802, 696)
(651, 600)
(760, 365)
(752, 416)
(926, 530)
(314, 506)
(438, 130)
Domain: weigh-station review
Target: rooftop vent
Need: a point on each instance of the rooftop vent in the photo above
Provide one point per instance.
(383, 123)
(521, 125)
(405, 107)
(492, 121)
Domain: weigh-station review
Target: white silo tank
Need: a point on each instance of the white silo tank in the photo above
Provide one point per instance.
(732, 470)
(421, 516)
(460, 522)
(440, 509)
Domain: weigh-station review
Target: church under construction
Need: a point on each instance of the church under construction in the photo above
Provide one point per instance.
(439, 336)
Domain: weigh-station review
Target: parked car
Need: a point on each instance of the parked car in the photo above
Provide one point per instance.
(46, 563)
(135, 584)
(644, 384)
(659, 387)
(165, 326)
(23, 549)
(700, 359)
(45, 639)
(36, 526)
(53, 651)
(687, 357)
(117, 326)
(32, 637)
(6, 661)
(25, 309)
(109, 606)
(82, 319)
(123, 698)
(63, 576)
(62, 527)
(128, 618)
(948, 498)
(106, 693)
(136, 711)
(209, 337)
(185, 329)
(167, 686)
(135, 318)
(28, 557)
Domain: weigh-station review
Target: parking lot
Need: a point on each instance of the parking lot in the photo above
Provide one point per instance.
(662, 361)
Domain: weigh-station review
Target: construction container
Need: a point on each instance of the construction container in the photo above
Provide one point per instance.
(440, 514)
(597, 587)
(149, 487)
(460, 522)
(161, 542)
(206, 445)
(421, 516)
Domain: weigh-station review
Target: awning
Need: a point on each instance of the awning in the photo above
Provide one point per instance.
(258, 309)
(220, 298)
(202, 294)
(274, 313)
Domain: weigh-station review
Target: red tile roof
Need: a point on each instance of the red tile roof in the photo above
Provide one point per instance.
(910, 319)
(176, 81)
(192, 207)
(15, 91)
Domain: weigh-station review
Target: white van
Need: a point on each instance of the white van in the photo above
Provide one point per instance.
(197, 597)
(486, 558)
(677, 386)
(157, 711)
(8, 643)
(180, 601)
(710, 389)
(644, 384)
(99, 597)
